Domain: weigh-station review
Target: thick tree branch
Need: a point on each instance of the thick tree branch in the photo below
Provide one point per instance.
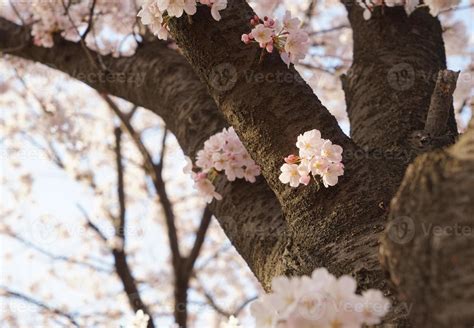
(429, 244)
(161, 80)
(390, 83)
(267, 110)
(336, 227)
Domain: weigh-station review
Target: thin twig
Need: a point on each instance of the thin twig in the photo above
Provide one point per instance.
(55, 257)
(91, 20)
(9, 293)
(91, 224)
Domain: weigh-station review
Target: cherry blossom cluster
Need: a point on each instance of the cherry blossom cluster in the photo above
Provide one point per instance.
(49, 17)
(110, 33)
(288, 38)
(317, 157)
(156, 13)
(223, 152)
(436, 6)
(321, 300)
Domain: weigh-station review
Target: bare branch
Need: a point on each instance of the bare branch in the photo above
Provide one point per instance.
(91, 224)
(9, 293)
(441, 103)
(243, 305)
(120, 227)
(56, 257)
(200, 236)
(154, 170)
(91, 20)
(214, 305)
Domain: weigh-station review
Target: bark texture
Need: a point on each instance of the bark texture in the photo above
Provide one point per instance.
(428, 246)
(337, 227)
(396, 63)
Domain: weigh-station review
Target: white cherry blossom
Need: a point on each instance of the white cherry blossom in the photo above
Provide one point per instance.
(317, 157)
(332, 174)
(321, 300)
(289, 174)
(309, 143)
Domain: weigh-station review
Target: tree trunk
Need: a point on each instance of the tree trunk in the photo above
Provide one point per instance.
(428, 245)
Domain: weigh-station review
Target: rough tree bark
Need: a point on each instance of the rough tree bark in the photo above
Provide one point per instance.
(389, 84)
(393, 74)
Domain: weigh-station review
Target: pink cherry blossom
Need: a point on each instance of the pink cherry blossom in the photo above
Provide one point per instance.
(296, 46)
(264, 313)
(204, 159)
(305, 180)
(289, 39)
(292, 159)
(223, 152)
(251, 172)
(207, 190)
(375, 306)
(262, 34)
(245, 38)
(216, 7)
(319, 165)
(176, 8)
(291, 23)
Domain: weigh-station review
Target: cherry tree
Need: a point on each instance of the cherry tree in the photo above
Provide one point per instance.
(369, 179)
